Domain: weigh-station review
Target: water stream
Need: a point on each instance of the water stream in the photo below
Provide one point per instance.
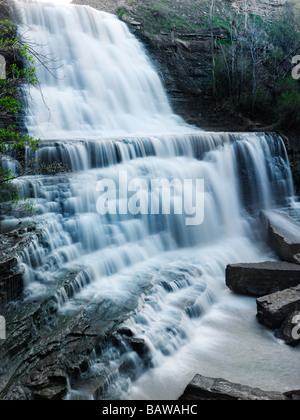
(106, 113)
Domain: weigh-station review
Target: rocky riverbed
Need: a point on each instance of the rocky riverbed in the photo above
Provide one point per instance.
(45, 352)
(276, 284)
(278, 308)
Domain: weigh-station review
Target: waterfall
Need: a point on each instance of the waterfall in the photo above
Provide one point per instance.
(101, 82)
(106, 113)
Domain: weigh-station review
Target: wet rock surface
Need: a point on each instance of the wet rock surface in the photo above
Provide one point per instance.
(276, 284)
(262, 278)
(46, 352)
(202, 388)
(41, 357)
(290, 329)
(11, 274)
(273, 309)
(283, 235)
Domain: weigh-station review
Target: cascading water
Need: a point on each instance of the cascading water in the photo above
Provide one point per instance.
(98, 64)
(108, 101)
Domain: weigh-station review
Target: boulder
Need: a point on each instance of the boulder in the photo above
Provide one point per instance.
(262, 278)
(202, 388)
(273, 309)
(138, 345)
(290, 329)
(283, 235)
(125, 331)
(293, 395)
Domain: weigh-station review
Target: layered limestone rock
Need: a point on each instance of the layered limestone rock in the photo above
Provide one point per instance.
(260, 279)
(12, 244)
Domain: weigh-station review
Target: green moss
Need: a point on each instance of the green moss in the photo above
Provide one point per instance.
(123, 12)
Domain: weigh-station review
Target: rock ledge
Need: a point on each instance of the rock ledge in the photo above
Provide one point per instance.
(202, 388)
(262, 278)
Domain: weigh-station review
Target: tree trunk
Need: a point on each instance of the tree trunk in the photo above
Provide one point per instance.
(254, 84)
(211, 17)
(246, 13)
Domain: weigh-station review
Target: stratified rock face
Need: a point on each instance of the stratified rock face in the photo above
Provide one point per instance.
(262, 278)
(283, 234)
(57, 352)
(202, 388)
(261, 8)
(11, 274)
(273, 309)
(45, 351)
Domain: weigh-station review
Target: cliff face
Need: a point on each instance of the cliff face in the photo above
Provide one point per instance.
(261, 8)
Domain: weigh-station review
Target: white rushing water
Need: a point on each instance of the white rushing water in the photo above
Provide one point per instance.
(101, 81)
(170, 273)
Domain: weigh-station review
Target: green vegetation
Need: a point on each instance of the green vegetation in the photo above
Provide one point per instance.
(123, 12)
(289, 102)
(254, 63)
(164, 16)
(19, 70)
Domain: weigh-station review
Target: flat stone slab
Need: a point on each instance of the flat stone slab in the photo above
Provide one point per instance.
(273, 309)
(202, 388)
(260, 279)
(283, 234)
